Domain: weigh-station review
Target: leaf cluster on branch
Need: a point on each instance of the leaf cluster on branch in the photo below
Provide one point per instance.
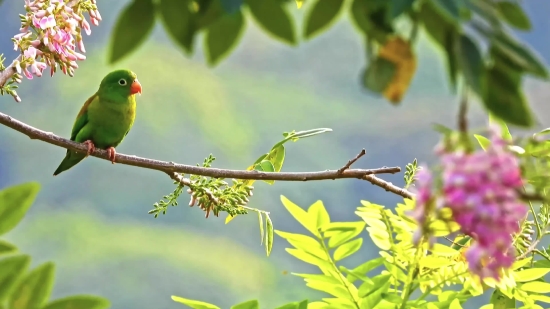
(457, 27)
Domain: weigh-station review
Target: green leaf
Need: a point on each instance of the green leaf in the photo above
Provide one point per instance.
(321, 16)
(471, 64)
(347, 249)
(448, 9)
(483, 141)
(504, 131)
(179, 22)
(231, 6)
(222, 36)
(6, 247)
(300, 215)
(530, 274)
(379, 75)
(514, 15)
(536, 287)
(267, 166)
(195, 304)
(504, 97)
(297, 305)
(398, 7)
(15, 201)
(34, 289)
(318, 211)
(373, 298)
(251, 304)
(273, 18)
(268, 235)
(364, 268)
(13, 268)
(79, 302)
(519, 55)
(371, 17)
(501, 301)
(133, 26)
(262, 232)
(277, 157)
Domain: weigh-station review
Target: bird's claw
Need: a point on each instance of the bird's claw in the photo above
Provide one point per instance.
(112, 154)
(91, 147)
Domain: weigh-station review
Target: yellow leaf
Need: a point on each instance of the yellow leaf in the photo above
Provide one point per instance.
(399, 52)
(299, 3)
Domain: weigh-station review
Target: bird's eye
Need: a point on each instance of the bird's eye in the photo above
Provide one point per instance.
(122, 82)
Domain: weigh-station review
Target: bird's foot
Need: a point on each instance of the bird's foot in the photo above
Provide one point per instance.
(91, 147)
(112, 154)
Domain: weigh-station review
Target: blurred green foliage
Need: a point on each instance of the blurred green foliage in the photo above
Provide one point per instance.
(21, 288)
(458, 27)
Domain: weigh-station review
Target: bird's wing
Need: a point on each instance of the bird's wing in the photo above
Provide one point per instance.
(82, 117)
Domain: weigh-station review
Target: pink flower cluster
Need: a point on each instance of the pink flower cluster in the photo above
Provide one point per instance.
(481, 190)
(57, 26)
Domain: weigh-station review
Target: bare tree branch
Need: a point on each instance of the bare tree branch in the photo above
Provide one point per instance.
(171, 167)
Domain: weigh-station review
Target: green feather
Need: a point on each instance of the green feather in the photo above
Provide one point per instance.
(106, 117)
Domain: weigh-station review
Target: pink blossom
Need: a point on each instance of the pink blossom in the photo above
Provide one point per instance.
(481, 189)
(56, 26)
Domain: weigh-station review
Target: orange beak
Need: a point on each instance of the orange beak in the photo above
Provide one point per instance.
(136, 87)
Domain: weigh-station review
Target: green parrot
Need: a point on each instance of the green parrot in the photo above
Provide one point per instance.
(106, 117)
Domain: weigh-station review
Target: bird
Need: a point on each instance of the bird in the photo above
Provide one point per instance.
(106, 117)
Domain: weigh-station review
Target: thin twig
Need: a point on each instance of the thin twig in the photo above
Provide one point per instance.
(171, 167)
(350, 162)
(388, 186)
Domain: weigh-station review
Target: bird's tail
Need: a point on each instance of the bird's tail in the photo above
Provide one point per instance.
(71, 159)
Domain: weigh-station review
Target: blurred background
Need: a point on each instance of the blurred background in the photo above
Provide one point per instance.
(92, 220)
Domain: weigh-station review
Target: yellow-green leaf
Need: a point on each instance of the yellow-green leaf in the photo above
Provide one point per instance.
(380, 238)
(6, 247)
(268, 235)
(434, 262)
(195, 304)
(483, 141)
(536, 287)
(34, 289)
(251, 304)
(347, 249)
(79, 302)
(332, 289)
(306, 257)
(262, 232)
(13, 267)
(530, 274)
(15, 201)
(542, 298)
(318, 211)
(455, 304)
(304, 243)
(300, 215)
